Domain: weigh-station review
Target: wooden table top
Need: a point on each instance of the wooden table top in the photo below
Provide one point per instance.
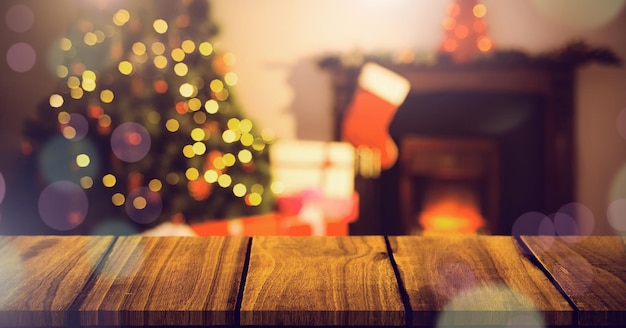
(419, 281)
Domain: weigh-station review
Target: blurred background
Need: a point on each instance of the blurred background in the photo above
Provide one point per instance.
(278, 45)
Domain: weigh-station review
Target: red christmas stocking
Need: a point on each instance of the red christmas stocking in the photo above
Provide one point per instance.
(378, 95)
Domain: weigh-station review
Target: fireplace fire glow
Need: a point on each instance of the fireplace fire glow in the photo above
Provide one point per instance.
(451, 209)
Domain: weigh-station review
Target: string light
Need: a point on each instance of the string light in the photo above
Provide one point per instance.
(160, 26)
(109, 180)
(176, 58)
(118, 199)
(211, 106)
(121, 17)
(205, 48)
(56, 100)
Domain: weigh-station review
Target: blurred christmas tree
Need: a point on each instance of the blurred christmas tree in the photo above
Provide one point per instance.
(465, 31)
(143, 125)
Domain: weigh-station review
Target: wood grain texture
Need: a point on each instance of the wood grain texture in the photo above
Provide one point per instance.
(590, 271)
(176, 281)
(313, 281)
(476, 281)
(41, 276)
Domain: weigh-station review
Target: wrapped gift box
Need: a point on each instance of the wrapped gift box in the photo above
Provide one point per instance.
(299, 165)
(317, 178)
(294, 226)
(317, 197)
(259, 225)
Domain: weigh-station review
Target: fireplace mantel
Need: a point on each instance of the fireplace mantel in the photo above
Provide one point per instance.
(551, 77)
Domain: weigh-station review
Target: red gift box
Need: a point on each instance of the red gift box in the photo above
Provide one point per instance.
(259, 225)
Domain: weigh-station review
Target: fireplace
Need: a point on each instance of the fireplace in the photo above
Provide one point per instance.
(476, 154)
(504, 122)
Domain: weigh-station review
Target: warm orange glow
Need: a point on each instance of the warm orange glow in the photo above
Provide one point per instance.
(95, 111)
(461, 31)
(484, 44)
(450, 45)
(160, 86)
(479, 26)
(449, 23)
(181, 107)
(451, 210)
(465, 31)
(479, 10)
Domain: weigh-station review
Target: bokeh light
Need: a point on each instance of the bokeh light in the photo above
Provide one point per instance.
(187, 90)
(158, 48)
(188, 46)
(79, 126)
(56, 101)
(63, 205)
(616, 215)
(211, 106)
(172, 125)
(21, 57)
(224, 180)
(534, 224)
(253, 199)
(454, 272)
(479, 10)
(138, 48)
(480, 302)
(245, 156)
(143, 205)
(130, 142)
(19, 18)
(106, 96)
(57, 160)
(177, 54)
(205, 48)
(134, 248)
(160, 26)
(86, 182)
(118, 199)
(574, 219)
(192, 174)
(239, 190)
(125, 67)
(121, 17)
(211, 176)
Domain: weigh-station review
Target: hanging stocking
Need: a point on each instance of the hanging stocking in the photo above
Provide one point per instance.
(378, 95)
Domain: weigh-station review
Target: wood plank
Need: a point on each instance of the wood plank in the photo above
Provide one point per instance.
(313, 281)
(475, 281)
(591, 272)
(41, 276)
(175, 281)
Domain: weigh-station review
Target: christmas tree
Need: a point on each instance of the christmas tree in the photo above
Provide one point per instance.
(465, 31)
(143, 126)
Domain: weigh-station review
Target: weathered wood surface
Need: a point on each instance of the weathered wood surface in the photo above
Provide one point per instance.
(459, 281)
(41, 276)
(176, 281)
(590, 271)
(304, 281)
(321, 281)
